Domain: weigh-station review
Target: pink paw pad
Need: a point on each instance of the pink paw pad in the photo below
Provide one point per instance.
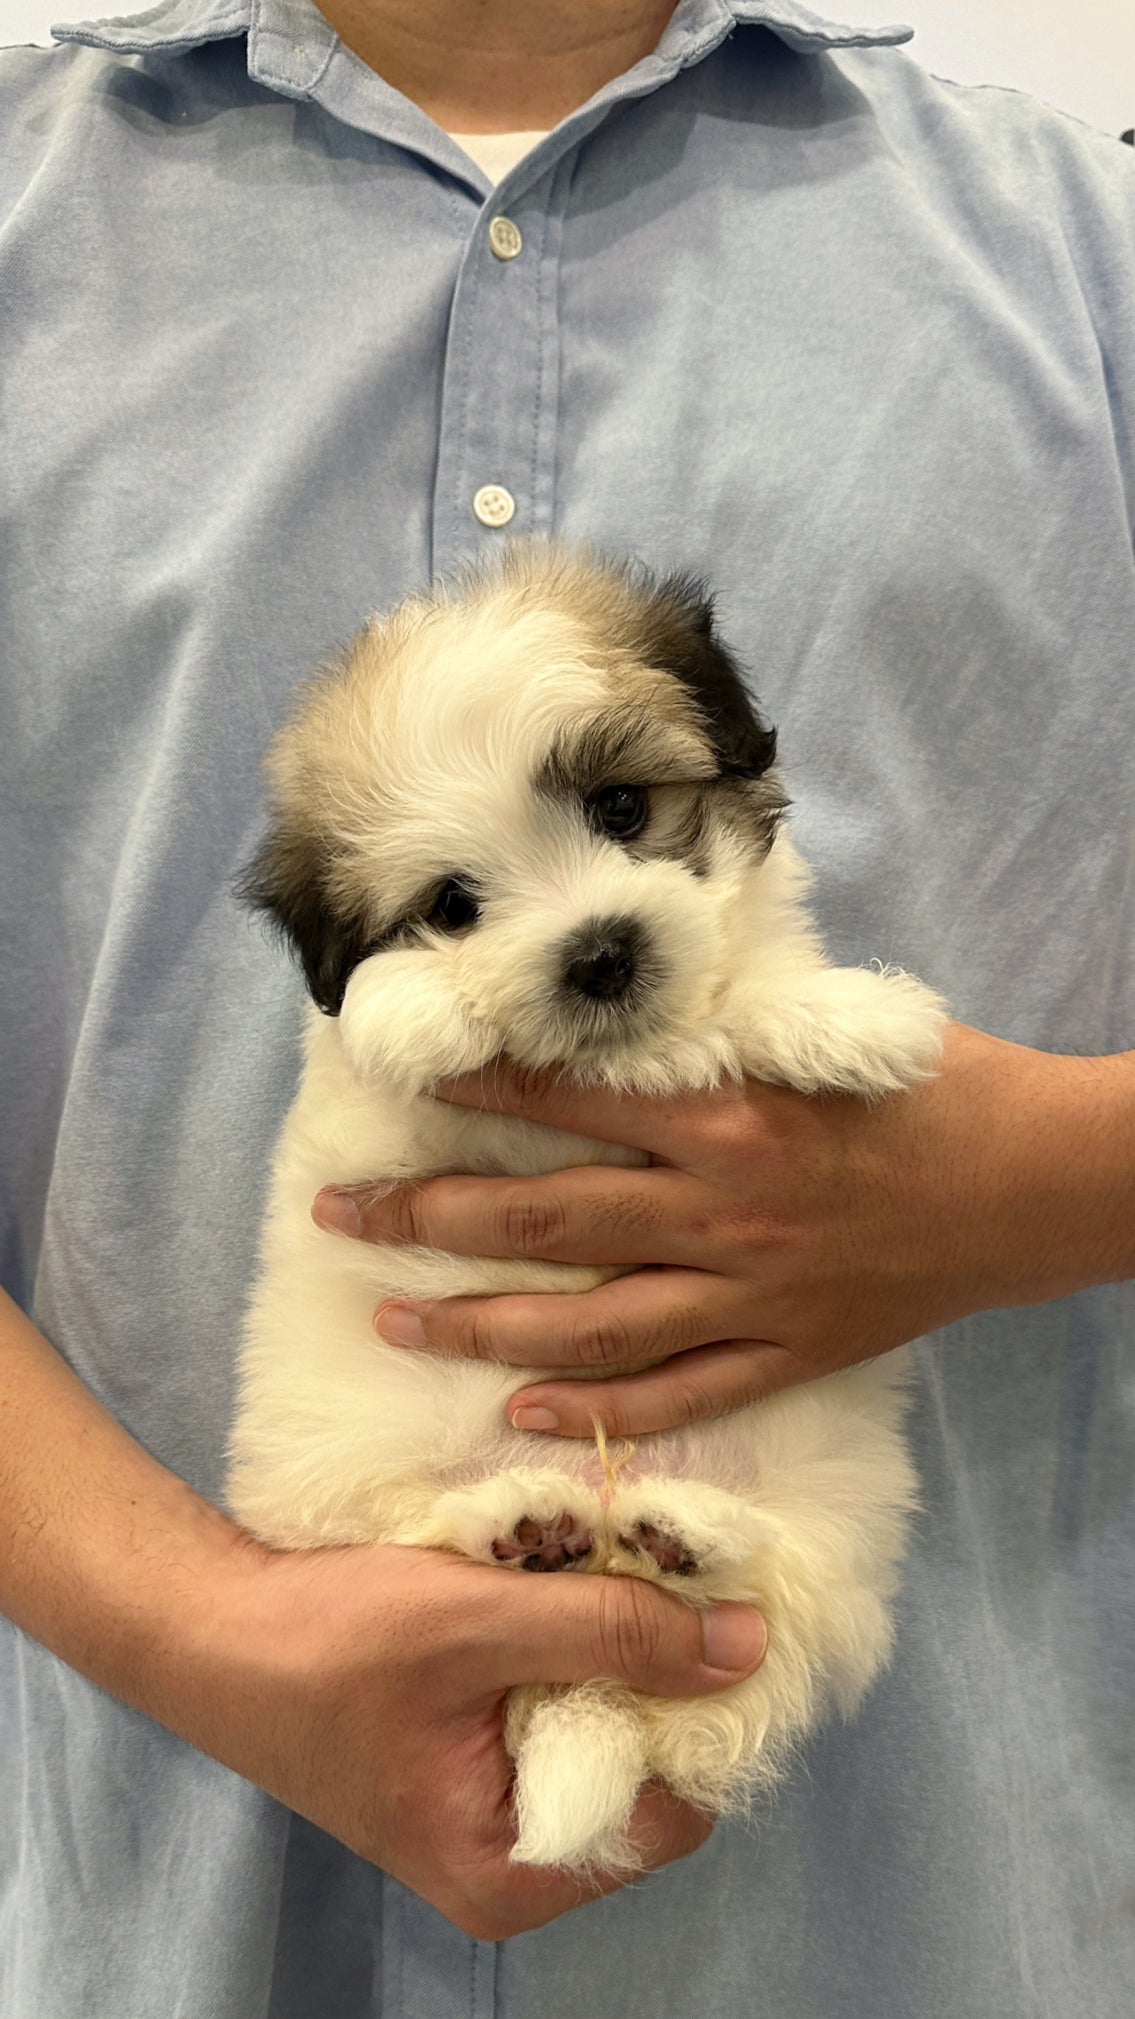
(669, 1551)
(544, 1545)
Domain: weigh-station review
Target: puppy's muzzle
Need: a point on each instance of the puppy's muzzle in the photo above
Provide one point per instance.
(603, 959)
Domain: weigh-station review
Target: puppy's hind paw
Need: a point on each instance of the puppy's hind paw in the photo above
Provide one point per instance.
(669, 1552)
(520, 1520)
(544, 1545)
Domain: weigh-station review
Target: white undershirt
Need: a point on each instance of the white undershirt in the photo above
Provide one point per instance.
(496, 153)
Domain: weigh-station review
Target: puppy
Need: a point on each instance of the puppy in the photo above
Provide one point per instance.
(538, 814)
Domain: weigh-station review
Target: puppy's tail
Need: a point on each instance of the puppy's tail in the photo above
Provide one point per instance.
(580, 1761)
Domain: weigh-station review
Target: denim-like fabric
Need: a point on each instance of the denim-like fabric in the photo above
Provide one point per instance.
(860, 346)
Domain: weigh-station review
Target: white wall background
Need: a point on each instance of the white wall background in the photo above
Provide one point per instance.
(1080, 57)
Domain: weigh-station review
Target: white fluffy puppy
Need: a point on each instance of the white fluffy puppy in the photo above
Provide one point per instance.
(538, 815)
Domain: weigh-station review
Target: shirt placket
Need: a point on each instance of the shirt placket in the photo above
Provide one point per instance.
(495, 475)
(495, 478)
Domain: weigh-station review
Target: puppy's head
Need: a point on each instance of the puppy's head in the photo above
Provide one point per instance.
(518, 816)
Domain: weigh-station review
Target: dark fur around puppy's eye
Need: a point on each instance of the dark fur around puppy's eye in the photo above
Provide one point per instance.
(287, 878)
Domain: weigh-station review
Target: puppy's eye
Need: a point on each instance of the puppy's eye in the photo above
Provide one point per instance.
(619, 810)
(454, 907)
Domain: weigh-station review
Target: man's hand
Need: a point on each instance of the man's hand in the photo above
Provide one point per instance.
(772, 1238)
(364, 1687)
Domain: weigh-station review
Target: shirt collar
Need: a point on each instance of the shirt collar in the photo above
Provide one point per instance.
(293, 37)
(294, 51)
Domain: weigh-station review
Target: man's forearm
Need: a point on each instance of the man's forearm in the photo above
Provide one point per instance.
(103, 1552)
(1077, 1144)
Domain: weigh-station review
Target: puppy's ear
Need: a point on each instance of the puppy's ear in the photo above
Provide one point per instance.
(683, 641)
(287, 879)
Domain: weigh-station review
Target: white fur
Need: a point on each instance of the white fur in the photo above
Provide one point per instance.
(797, 1506)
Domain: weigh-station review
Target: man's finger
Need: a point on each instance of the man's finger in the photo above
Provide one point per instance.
(635, 1320)
(668, 1126)
(663, 1828)
(571, 1629)
(598, 1215)
(692, 1387)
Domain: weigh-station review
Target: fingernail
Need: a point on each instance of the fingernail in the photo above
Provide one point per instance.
(734, 1638)
(535, 1419)
(338, 1212)
(399, 1325)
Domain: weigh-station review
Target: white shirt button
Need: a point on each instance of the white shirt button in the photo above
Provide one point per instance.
(504, 238)
(494, 505)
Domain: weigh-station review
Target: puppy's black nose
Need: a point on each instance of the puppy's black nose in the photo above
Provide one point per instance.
(602, 959)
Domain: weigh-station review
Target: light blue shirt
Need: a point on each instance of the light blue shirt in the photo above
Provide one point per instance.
(859, 345)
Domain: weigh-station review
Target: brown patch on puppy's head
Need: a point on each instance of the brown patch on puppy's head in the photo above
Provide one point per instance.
(321, 775)
(681, 714)
(290, 879)
(680, 637)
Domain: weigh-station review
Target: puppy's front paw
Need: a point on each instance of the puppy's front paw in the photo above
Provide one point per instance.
(847, 1030)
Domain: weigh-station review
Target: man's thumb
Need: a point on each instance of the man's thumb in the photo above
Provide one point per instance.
(577, 1628)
